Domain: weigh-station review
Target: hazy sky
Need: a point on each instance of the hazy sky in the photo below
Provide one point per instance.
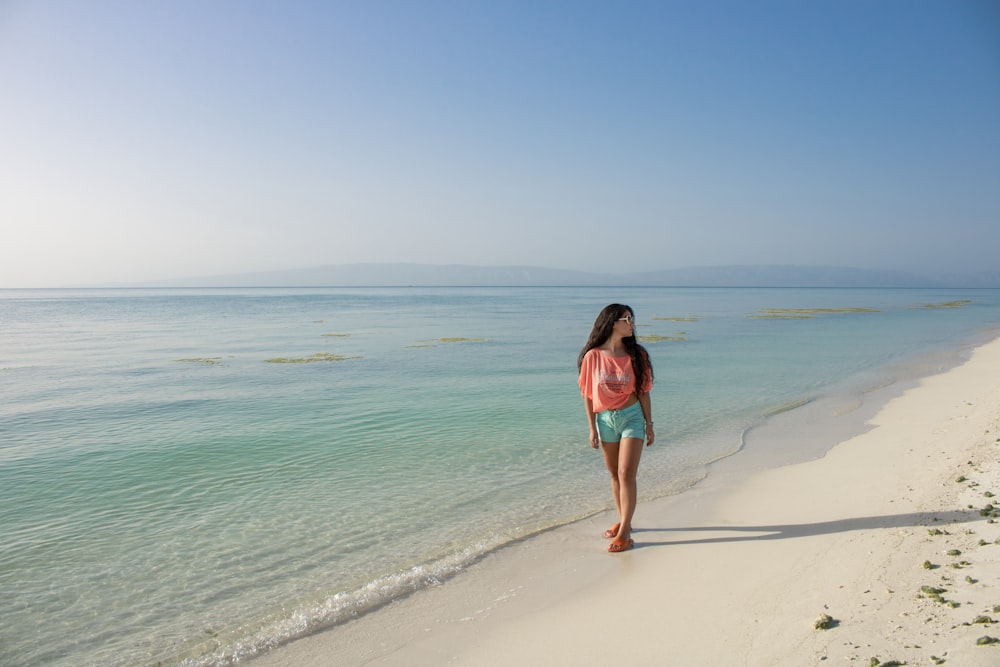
(151, 140)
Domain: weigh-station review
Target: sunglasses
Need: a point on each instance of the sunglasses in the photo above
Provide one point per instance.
(627, 318)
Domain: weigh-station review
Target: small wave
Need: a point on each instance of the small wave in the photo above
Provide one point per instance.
(333, 610)
(769, 414)
(877, 387)
(788, 407)
(855, 403)
(326, 613)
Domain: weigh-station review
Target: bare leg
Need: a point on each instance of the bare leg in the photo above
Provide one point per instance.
(622, 461)
(610, 450)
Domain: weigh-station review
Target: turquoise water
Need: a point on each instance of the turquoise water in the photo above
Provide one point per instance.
(170, 496)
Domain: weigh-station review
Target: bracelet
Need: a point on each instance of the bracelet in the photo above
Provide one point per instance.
(650, 423)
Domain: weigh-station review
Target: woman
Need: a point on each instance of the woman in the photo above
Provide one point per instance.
(615, 379)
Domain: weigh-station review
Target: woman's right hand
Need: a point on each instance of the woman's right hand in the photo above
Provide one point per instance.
(595, 440)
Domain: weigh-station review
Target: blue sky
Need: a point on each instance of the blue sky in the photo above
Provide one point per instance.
(145, 141)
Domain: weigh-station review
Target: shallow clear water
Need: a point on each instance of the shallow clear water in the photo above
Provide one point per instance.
(168, 495)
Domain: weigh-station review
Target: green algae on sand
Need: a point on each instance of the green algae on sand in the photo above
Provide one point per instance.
(319, 356)
(825, 622)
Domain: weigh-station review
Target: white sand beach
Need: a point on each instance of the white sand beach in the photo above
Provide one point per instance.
(737, 570)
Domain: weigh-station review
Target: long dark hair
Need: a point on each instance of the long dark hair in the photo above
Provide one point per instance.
(601, 332)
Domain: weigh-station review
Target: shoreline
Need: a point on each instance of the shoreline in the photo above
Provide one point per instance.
(741, 565)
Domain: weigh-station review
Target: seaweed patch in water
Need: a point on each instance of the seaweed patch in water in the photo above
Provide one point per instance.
(434, 341)
(804, 313)
(319, 356)
(689, 318)
(211, 361)
(656, 338)
(336, 335)
(947, 304)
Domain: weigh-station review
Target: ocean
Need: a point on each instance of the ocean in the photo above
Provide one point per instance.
(194, 476)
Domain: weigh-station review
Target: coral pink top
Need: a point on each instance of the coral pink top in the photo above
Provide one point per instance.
(608, 381)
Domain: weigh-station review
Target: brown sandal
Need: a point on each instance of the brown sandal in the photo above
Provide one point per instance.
(618, 547)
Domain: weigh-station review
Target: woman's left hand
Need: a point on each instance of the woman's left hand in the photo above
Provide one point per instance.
(649, 435)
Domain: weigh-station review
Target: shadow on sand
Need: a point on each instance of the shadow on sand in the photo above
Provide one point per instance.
(791, 531)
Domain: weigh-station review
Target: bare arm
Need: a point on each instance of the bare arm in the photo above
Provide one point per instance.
(647, 414)
(588, 404)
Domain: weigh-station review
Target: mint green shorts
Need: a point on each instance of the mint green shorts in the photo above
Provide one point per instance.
(613, 425)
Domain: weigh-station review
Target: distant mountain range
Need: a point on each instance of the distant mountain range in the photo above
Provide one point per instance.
(424, 275)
